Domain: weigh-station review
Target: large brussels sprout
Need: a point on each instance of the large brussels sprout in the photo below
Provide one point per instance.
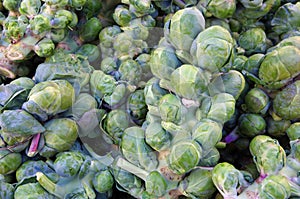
(155, 184)
(157, 137)
(287, 102)
(6, 190)
(135, 149)
(9, 161)
(182, 30)
(61, 133)
(103, 181)
(274, 187)
(293, 132)
(213, 49)
(49, 98)
(130, 71)
(253, 40)
(31, 191)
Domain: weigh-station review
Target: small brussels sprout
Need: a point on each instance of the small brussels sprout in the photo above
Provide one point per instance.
(171, 109)
(163, 62)
(251, 125)
(184, 156)
(40, 24)
(67, 164)
(252, 64)
(130, 72)
(253, 40)
(6, 190)
(212, 49)
(14, 27)
(210, 158)
(274, 187)
(31, 190)
(9, 161)
(155, 184)
(293, 132)
(286, 102)
(157, 137)
(257, 101)
(277, 128)
(122, 15)
(44, 48)
(115, 123)
(61, 133)
(90, 30)
(103, 181)
(107, 35)
(11, 5)
(182, 30)
(232, 82)
(198, 184)
(77, 4)
(207, 133)
(91, 51)
(101, 84)
(219, 9)
(137, 106)
(135, 149)
(109, 65)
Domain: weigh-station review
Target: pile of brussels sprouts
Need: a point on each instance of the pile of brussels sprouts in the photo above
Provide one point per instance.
(149, 99)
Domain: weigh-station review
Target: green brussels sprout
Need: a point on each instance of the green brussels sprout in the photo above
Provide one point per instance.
(293, 132)
(257, 101)
(130, 72)
(103, 181)
(108, 65)
(90, 30)
(40, 24)
(44, 48)
(137, 106)
(91, 8)
(219, 108)
(24, 123)
(135, 149)
(141, 7)
(198, 184)
(163, 62)
(182, 30)
(77, 4)
(31, 191)
(250, 125)
(57, 35)
(61, 19)
(184, 156)
(219, 9)
(286, 102)
(286, 19)
(253, 41)
(157, 137)
(252, 64)
(207, 133)
(227, 179)
(239, 62)
(122, 16)
(6, 190)
(11, 5)
(49, 98)
(115, 123)
(56, 3)
(137, 30)
(155, 184)
(268, 155)
(67, 164)
(90, 51)
(24, 82)
(9, 161)
(274, 186)
(171, 109)
(212, 49)
(232, 82)
(279, 66)
(15, 27)
(107, 35)
(277, 128)
(29, 168)
(211, 158)
(61, 133)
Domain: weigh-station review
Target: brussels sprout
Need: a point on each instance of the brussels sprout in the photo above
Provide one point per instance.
(184, 156)
(207, 133)
(115, 123)
(212, 49)
(286, 102)
(103, 181)
(163, 62)
(182, 30)
(279, 66)
(251, 125)
(286, 19)
(219, 108)
(293, 132)
(9, 161)
(90, 30)
(29, 168)
(219, 9)
(135, 149)
(109, 65)
(49, 98)
(24, 123)
(40, 24)
(259, 140)
(6, 190)
(137, 106)
(67, 164)
(15, 27)
(78, 4)
(61, 133)
(252, 65)
(274, 186)
(122, 16)
(44, 48)
(257, 101)
(130, 72)
(90, 51)
(30, 191)
(227, 179)
(198, 184)
(155, 184)
(232, 82)
(210, 158)
(157, 137)
(11, 5)
(253, 40)
(107, 35)
(277, 128)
